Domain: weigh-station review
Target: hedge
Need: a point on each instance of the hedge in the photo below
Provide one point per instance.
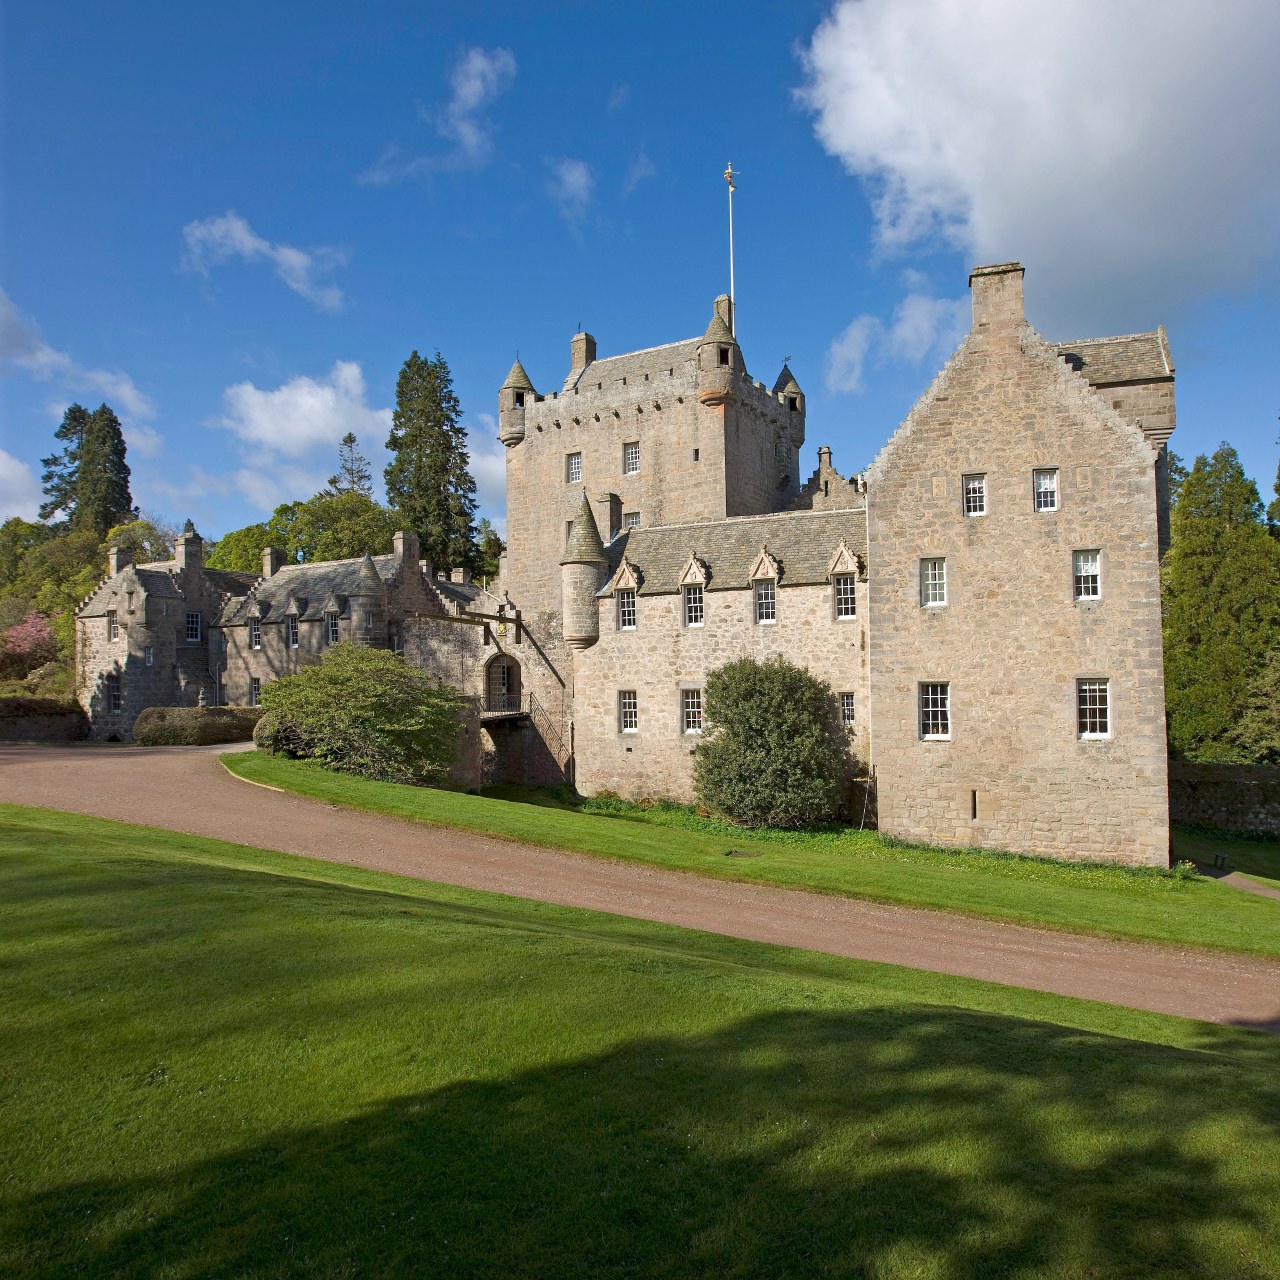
(194, 726)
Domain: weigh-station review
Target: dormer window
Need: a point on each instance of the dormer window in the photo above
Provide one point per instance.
(724, 357)
(331, 627)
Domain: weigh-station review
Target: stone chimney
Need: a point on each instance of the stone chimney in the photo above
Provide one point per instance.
(723, 307)
(117, 559)
(188, 549)
(613, 505)
(405, 547)
(272, 560)
(824, 458)
(460, 575)
(997, 298)
(582, 351)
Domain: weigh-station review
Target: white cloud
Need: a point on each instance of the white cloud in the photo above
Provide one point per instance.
(1124, 152)
(571, 187)
(921, 328)
(212, 241)
(19, 489)
(266, 487)
(618, 98)
(22, 347)
(639, 170)
(489, 468)
(478, 79)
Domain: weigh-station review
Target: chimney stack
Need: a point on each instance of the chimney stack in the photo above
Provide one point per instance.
(117, 559)
(582, 351)
(188, 549)
(405, 547)
(997, 298)
(272, 560)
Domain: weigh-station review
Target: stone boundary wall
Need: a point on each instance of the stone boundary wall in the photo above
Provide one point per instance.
(59, 726)
(1231, 797)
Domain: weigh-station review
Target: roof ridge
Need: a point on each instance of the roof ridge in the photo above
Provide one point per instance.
(802, 514)
(1119, 337)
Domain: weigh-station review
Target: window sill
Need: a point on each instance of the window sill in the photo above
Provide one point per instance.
(766, 622)
(935, 737)
(1093, 737)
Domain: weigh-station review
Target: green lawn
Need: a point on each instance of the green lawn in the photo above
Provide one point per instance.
(1258, 859)
(221, 1062)
(1089, 898)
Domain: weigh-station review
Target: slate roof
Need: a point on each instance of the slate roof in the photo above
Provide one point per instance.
(310, 584)
(584, 545)
(158, 579)
(517, 378)
(633, 365)
(803, 542)
(1135, 357)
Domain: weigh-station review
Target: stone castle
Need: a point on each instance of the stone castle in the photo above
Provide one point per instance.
(983, 600)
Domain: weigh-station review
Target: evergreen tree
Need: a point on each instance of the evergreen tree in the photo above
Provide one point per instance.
(1257, 736)
(62, 469)
(102, 485)
(1221, 605)
(1273, 511)
(490, 547)
(428, 478)
(353, 475)
(1177, 471)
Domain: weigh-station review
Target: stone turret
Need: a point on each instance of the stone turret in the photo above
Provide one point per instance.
(720, 365)
(582, 571)
(368, 604)
(512, 395)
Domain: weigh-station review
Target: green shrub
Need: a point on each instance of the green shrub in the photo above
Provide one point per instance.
(23, 705)
(367, 712)
(275, 736)
(773, 755)
(194, 726)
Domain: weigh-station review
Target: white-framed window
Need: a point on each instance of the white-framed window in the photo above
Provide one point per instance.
(1093, 708)
(975, 495)
(933, 581)
(691, 710)
(573, 468)
(368, 619)
(113, 625)
(149, 655)
(115, 695)
(291, 630)
(255, 633)
(628, 711)
(846, 596)
(627, 609)
(255, 691)
(331, 627)
(693, 606)
(1086, 572)
(1044, 485)
(848, 710)
(194, 628)
(935, 711)
(766, 600)
(631, 458)
(631, 520)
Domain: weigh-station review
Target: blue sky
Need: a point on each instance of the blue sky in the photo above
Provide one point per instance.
(234, 222)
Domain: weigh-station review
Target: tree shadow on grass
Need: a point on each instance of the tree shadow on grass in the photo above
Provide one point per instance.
(891, 1141)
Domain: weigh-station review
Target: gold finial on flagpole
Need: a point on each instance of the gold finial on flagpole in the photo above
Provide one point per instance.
(729, 176)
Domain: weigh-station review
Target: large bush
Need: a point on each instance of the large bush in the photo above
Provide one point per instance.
(773, 755)
(367, 712)
(194, 726)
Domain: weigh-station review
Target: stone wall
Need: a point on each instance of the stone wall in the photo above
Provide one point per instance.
(1231, 797)
(63, 726)
(1011, 640)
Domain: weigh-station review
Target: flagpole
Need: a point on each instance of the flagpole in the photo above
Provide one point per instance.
(733, 311)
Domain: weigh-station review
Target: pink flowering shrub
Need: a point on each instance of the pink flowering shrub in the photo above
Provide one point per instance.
(27, 645)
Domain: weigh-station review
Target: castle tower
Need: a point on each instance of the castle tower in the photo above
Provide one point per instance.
(368, 604)
(511, 404)
(582, 572)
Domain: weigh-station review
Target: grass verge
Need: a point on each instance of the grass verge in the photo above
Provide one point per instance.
(1085, 898)
(220, 1061)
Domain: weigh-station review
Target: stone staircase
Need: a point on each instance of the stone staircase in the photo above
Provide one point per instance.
(193, 675)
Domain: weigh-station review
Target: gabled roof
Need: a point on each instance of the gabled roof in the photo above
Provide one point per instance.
(311, 584)
(804, 543)
(1134, 357)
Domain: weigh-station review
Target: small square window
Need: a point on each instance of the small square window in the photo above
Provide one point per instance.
(935, 711)
(1093, 708)
(255, 633)
(691, 710)
(1045, 487)
(115, 696)
(255, 691)
(627, 609)
(331, 627)
(113, 625)
(975, 495)
(847, 710)
(766, 601)
(628, 711)
(631, 520)
(1086, 568)
(933, 581)
(631, 458)
(693, 606)
(194, 628)
(695, 455)
(846, 596)
(291, 630)
(573, 468)
(149, 656)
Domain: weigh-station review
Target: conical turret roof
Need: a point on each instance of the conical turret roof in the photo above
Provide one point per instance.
(718, 331)
(584, 545)
(370, 580)
(786, 384)
(518, 380)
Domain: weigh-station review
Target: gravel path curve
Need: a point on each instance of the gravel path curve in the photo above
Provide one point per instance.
(187, 789)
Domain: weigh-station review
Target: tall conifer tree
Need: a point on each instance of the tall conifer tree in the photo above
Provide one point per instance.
(62, 469)
(428, 478)
(353, 474)
(102, 489)
(1221, 605)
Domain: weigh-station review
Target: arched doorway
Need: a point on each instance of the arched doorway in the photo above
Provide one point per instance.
(502, 685)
